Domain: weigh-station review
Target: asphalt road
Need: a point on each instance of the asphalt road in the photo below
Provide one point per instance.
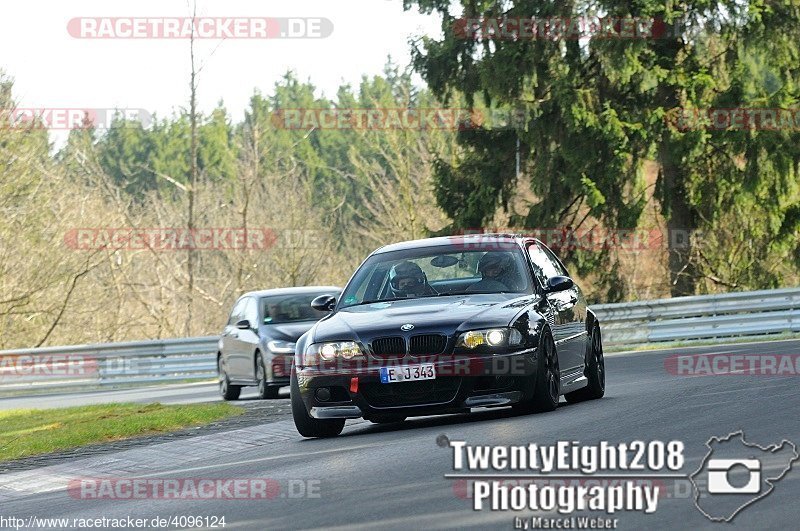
(393, 476)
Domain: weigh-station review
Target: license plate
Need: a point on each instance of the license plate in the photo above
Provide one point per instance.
(408, 373)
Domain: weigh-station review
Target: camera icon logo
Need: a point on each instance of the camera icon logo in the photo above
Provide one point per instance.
(719, 472)
(736, 473)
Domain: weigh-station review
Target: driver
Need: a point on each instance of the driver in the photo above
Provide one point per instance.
(270, 312)
(494, 268)
(407, 279)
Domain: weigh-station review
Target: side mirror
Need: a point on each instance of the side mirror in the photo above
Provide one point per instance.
(244, 324)
(324, 303)
(559, 283)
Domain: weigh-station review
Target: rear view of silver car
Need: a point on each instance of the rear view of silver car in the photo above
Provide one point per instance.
(257, 345)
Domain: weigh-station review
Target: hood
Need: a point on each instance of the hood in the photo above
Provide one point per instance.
(446, 315)
(286, 331)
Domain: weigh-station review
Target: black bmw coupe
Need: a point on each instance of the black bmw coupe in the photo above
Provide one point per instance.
(443, 325)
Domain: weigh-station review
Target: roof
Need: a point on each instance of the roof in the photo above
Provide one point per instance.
(292, 291)
(474, 241)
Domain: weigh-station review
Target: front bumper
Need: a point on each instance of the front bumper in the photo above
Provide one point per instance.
(279, 369)
(461, 383)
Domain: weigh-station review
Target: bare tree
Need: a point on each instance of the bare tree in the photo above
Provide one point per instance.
(192, 179)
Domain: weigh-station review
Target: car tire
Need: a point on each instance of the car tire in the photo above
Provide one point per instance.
(387, 419)
(226, 390)
(307, 425)
(546, 381)
(595, 371)
(265, 391)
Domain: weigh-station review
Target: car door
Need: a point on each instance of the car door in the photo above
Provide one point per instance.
(568, 307)
(575, 303)
(241, 358)
(230, 338)
(249, 339)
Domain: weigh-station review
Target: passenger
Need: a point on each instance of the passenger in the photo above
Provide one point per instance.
(495, 267)
(274, 313)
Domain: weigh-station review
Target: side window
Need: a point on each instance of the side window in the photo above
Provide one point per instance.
(251, 311)
(556, 263)
(543, 267)
(236, 313)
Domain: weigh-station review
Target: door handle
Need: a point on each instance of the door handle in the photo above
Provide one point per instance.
(235, 334)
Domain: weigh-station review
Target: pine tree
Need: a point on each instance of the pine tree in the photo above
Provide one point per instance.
(598, 109)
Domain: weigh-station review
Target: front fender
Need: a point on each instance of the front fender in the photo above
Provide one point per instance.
(591, 319)
(530, 323)
(301, 345)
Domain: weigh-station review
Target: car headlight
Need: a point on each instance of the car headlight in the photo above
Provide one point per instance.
(281, 347)
(346, 350)
(493, 337)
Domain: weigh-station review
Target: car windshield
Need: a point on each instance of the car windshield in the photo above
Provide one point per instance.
(440, 271)
(279, 309)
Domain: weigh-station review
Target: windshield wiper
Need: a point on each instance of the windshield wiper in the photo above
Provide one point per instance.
(392, 299)
(486, 292)
(375, 301)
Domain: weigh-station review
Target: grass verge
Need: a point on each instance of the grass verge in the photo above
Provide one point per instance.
(29, 432)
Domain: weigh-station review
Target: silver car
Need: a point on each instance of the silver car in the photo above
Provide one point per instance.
(257, 346)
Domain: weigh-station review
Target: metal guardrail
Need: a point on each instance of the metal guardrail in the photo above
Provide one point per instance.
(710, 317)
(83, 367)
(112, 364)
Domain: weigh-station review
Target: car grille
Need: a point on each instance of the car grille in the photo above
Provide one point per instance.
(437, 391)
(428, 344)
(389, 347)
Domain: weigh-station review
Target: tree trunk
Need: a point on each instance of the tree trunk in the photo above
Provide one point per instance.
(680, 223)
(192, 185)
